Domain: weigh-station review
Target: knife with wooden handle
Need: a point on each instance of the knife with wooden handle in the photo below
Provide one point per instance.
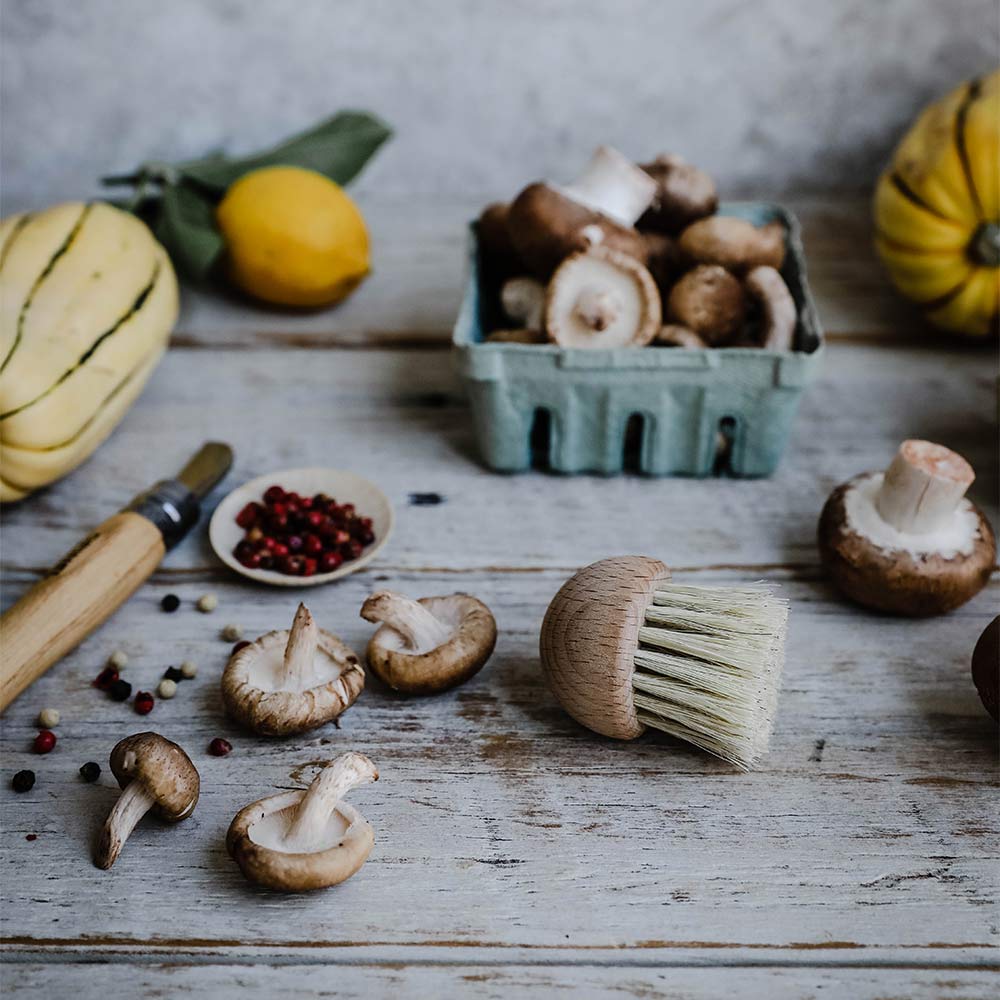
(89, 583)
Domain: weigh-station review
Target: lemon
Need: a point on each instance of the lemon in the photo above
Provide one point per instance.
(293, 237)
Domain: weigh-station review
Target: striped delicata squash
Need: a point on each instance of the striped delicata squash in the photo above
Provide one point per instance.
(87, 302)
(937, 210)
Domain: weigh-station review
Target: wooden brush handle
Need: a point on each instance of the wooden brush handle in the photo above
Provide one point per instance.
(76, 596)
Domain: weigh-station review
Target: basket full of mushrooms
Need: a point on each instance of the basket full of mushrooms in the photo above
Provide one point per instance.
(630, 307)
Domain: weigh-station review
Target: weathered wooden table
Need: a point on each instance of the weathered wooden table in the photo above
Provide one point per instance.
(516, 853)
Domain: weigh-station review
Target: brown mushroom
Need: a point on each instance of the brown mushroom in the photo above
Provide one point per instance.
(308, 838)
(907, 542)
(986, 668)
(734, 243)
(429, 645)
(684, 193)
(602, 298)
(523, 301)
(662, 258)
(547, 223)
(673, 335)
(290, 681)
(495, 246)
(153, 773)
(709, 301)
(779, 316)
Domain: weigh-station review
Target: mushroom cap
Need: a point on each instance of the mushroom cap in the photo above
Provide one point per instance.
(473, 636)
(252, 697)
(163, 769)
(709, 301)
(606, 285)
(545, 227)
(589, 638)
(986, 668)
(254, 841)
(684, 193)
(894, 580)
(734, 243)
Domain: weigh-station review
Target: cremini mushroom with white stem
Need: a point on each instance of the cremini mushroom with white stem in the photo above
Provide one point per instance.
(602, 299)
(907, 541)
(429, 645)
(154, 774)
(292, 680)
(308, 838)
(547, 222)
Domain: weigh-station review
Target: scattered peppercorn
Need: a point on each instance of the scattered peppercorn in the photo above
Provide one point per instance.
(219, 747)
(173, 674)
(189, 669)
(242, 644)
(232, 632)
(425, 499)
(167, 688)
(117, 660)
(31, 836)
(120, 691)
(207, 603)
(23, 781)
(48, 718)
(170, 603)
(143, 703)
(45, 741)
(106, 678)
(90, 771)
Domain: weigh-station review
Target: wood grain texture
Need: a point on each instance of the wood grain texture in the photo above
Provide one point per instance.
(517, 853)
(403, 981)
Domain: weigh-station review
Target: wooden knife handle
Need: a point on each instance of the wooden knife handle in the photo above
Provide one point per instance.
(74, 598)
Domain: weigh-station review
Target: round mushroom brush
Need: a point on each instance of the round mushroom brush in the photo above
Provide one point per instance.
(625, 649)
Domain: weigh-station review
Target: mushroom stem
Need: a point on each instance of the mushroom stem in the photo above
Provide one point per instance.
(133, 803)
(300, 649)
(523, 300)
(922, 487)
(597, 308)
(321, 799)
(614, 186)
(418, 627)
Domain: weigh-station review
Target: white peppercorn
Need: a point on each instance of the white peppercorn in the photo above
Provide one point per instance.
(189, 669)
(232, 632)
(167, 688)
(48, 718)
(207, 603)
(117, 659)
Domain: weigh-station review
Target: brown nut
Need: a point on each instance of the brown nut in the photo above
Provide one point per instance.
(709, 301)
(733, 243)
(430, 645)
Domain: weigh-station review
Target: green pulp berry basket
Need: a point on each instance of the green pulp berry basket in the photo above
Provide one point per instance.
(683, 399)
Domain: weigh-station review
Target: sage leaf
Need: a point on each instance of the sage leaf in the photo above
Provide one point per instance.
(338, 147)
(186, 227)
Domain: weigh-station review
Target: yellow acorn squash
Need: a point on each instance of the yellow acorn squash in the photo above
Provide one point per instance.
(937, 210)
(87, 302)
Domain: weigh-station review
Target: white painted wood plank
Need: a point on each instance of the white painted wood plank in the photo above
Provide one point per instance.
(504, 829)
(397, 418)
(418, 259)
(400, 982)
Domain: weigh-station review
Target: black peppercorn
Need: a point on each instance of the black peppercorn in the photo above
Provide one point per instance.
(23, 781)
(173, 674)
(170, 603)
(90, 771)
(120, 691)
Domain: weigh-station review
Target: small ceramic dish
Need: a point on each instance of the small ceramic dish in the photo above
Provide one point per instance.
(224, 533)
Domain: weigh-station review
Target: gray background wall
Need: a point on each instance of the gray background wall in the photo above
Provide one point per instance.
(771, 95)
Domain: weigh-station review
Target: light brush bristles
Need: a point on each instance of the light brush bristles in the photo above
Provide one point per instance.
(708, 667)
